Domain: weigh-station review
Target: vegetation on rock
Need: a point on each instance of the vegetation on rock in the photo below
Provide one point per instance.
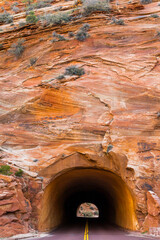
(33, 61)
(17, 48)
(19, 173)
(60, 77)
(146, 1)
(58, 37)
(117, 21)
(5, 170)
(31, 18)
(6, 17)
(81, 35)
(74, 70)
(55, 19)
(90, 6)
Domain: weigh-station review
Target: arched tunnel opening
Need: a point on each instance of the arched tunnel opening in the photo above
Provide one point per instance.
(103, 188)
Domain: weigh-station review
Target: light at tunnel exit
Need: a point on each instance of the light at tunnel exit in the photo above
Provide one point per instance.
(87, 210)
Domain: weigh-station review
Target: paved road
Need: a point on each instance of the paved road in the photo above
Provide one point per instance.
(95, 232)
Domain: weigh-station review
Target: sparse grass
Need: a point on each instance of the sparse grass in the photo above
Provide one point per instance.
(74, 70)
(28, 2)
(15, 9)
(42, 4)
(91, 6)
(58, 37)
(5, 170)
(33, 61)
(85, 27)
(117, 21)
(6, 17)
(31, 18)
(19, 173)
(39, 4)
(145, 1)
(22, 24)
(81, 35)
(71, 34)
(154, 15)
(55, 19)
(158, 33)
(88, 214)
(60, 77)
(1, 46)
(17, 48)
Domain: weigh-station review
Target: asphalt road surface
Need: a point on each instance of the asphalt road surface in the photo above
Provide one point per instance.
(90, 231)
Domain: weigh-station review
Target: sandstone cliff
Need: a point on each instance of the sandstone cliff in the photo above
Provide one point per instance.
(46, 119)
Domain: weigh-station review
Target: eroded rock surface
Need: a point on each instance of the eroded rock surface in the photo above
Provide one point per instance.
(46, 124)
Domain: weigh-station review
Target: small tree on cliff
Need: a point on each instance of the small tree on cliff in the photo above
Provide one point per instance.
(31, 18)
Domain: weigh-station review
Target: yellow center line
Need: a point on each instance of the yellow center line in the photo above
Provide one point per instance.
(86, 237)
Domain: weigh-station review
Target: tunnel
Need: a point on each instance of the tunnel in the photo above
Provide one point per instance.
(105, 189)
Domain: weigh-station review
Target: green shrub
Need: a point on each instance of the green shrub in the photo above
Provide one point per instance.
(158, 33)
(38, 5)
(22, 24)
(88, 214)
(117, 21)
(19, 173)
(6, 18)
(74, 70)
(154, 15)
(15, 9)
(71, 34)
(17, 48)
(33, 61)
(41, 4)
(81, 35)
(91, 6)
(58, 37)
(5, 170)
(85, 27)
(96, 213)
(31, 18)
(1, 46)
(55, 19)
(60, 77)
(28, 2)
(145, 1)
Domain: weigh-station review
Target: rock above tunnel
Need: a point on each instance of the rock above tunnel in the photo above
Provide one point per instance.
(153, 203)
(106, 118)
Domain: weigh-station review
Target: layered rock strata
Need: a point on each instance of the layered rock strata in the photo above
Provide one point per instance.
(49, 125)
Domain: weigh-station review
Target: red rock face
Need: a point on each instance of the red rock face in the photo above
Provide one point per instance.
(15, 209)
(153, 203)
(45, 123)
(153, 206)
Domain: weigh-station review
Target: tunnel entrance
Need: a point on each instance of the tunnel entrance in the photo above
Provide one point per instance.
(87, 210)
(103, 188)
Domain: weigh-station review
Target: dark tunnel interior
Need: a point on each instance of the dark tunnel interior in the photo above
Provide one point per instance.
(89, 193)
(103, 188)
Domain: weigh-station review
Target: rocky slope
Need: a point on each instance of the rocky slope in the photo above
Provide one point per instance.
(116, 102)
